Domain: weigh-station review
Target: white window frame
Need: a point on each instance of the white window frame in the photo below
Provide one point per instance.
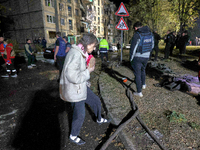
(51, 2)
(62, 21)
(50, 19)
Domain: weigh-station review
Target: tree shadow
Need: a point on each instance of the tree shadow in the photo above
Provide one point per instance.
(40, 128)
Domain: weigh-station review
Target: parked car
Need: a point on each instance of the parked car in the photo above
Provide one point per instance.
(112, 48)
(49, 52)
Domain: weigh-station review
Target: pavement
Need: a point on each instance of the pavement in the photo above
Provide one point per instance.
(32, 116)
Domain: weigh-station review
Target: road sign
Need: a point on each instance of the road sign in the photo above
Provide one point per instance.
(122, 25)
(122, 11)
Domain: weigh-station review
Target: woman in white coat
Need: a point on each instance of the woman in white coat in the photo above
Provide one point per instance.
(73, 85)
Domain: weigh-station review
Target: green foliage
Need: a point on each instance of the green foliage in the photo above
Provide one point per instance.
(15, 44)
(175, 117)
(194, 125)
(164, 15)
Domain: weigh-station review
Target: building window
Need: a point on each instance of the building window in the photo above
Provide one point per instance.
(69, 11)
(76, 1)
(98, 20)
(63, 34)
(77, 12)
(101, 29)
(102, 20)
(61, 6)
(94, 18)
(98, 29)
(50, 19)
(70, 25)
(69, 1)
(98, 2)
(95, 8)
(98, 11)
(49, 3)
(62, 21)
(52, 34)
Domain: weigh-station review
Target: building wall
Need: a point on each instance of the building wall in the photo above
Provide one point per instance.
(30, 19)
(27, 19)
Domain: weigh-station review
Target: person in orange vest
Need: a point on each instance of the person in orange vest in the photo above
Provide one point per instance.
(9, 56)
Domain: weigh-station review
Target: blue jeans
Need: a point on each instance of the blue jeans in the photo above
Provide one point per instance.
(79, 111)
(139, 65)
(104, 54)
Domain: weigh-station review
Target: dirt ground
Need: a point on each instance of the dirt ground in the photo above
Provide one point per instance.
(172, 115)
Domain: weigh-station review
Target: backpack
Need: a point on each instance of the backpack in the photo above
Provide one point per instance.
(146, 42)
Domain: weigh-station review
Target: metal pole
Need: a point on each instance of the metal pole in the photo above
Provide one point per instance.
(121, 43)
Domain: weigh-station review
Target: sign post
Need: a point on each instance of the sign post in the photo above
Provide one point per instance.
(122, 11)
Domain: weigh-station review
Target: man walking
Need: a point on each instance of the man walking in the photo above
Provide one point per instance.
(59, 54)
(103, 48)
(141, 46)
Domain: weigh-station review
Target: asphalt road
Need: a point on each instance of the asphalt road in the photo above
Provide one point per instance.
(33, 117)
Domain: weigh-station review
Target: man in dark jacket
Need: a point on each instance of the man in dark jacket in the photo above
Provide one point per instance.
(59, 54)
(173, 42)
(156, 49)
(182, 42)
(168, 41)
(141, 46)
(30, 54)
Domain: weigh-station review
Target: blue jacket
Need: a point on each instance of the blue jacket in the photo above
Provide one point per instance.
(62, 47)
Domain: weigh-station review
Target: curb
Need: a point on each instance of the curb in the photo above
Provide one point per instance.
(125, 140)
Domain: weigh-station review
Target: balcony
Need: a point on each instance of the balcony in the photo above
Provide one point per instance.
(87, 2)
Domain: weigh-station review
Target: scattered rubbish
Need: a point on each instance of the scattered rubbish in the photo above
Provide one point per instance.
(156, 133)
(124, 79)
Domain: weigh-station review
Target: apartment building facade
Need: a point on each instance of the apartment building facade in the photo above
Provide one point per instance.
(32, 19)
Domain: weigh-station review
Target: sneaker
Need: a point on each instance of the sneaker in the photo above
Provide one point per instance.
(14, 70)
(144, 86)
(77, 141)
(30, 67)
(14, 75)
(33, 65)
(103, 120)
(138, 94)
(8, 70)
(5, 76)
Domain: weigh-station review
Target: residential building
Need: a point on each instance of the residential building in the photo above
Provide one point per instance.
(41, 18)
(32, 19)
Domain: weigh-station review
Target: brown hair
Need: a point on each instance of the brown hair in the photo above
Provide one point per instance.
(88, 39)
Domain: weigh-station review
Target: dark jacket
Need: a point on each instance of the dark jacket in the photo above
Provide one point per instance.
(156, 38)
(136, 40)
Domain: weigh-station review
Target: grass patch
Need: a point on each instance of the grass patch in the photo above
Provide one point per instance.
(176, 117)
